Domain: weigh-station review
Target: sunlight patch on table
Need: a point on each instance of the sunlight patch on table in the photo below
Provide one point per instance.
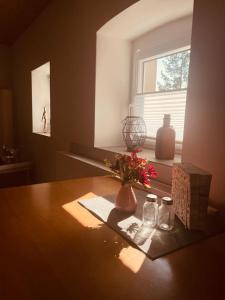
(82, 215)
(132, 258)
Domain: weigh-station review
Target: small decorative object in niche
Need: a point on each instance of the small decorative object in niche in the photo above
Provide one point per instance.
(165, 140)
(44, 120)
(190, 192)
(130, 169)
(134, 132)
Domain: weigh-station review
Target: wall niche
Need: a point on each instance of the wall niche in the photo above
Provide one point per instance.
(41, 113)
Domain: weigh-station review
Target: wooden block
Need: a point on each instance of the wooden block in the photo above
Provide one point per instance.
(190, 192)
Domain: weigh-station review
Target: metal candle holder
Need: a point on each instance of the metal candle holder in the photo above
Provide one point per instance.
(134, 132)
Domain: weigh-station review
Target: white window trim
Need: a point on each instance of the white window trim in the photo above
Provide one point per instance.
(138, 88)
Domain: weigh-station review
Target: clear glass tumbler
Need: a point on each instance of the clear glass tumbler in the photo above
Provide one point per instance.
(166, 214)
(150, 209)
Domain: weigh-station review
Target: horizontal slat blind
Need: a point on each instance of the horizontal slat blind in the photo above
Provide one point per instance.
(152, 108)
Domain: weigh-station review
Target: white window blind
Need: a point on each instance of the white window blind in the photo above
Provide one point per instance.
(153, 106)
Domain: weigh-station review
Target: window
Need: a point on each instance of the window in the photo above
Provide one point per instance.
(41, 100)
(161, 89)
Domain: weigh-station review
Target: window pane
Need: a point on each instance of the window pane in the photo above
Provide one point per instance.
(167, 73)
(153, 106)
(172, 71)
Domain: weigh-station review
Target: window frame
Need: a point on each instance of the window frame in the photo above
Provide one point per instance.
(140, 69)
(139, 84)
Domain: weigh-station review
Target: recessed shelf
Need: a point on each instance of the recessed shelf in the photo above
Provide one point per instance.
(41, 121)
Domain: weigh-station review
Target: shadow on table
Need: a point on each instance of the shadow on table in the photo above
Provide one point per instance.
(107, 254)
(152, 241)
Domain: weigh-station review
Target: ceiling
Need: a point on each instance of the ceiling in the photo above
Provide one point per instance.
(16, 16)
(146, 15)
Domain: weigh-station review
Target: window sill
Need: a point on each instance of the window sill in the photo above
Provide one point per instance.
(148, 154)
(150, 143)
(163, 167)
(157, 187)
(42, 133)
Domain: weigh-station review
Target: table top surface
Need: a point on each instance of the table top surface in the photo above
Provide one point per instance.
(53, 248)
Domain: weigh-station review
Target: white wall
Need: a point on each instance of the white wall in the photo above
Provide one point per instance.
(204, 135)
(146, 15)
(112, 89)
(5, 67)
(6, 118)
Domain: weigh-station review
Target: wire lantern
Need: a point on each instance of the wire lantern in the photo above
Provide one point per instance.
(134, 132)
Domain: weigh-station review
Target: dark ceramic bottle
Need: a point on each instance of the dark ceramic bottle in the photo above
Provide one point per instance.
(165, 140)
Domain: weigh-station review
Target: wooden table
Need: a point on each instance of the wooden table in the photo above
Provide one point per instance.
(52, 248)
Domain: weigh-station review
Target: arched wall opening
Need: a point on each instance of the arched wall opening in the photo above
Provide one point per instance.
(154, 27)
